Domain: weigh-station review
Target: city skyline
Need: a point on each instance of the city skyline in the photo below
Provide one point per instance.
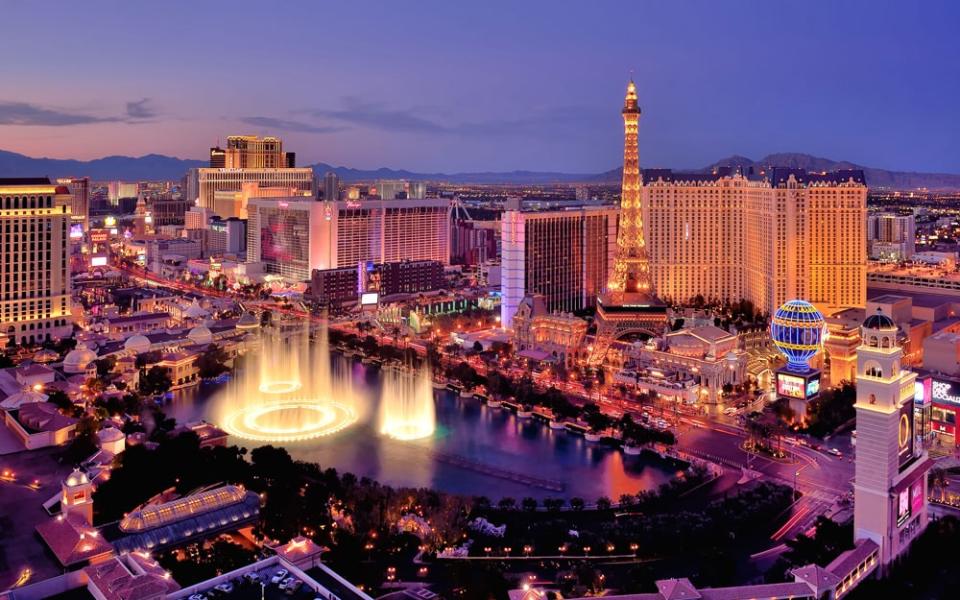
(467, 89)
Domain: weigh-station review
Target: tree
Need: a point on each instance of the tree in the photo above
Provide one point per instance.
(481, 503)
(576, 503)
(553, 504)
(529, 504)
(477, 347)
(105, 365)
(155, 381)
(212, 362)
(507, 503)
(603, 503)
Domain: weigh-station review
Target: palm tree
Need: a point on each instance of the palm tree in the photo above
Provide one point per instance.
(576, 503)
(507, 503)
(939, 481)
(529, 504)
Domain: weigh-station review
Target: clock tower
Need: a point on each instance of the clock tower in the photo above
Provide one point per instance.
(890, 489)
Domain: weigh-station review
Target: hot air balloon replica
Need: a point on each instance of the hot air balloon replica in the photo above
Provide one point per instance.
(797, 330)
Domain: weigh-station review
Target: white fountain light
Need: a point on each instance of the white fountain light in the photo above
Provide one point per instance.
(289, 421)
(293, 396)
(407, 410)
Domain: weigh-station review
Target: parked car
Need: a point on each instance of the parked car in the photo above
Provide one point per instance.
(835, 452)
(279, 576)
(293, 587)
(225, 587)
(251, 577)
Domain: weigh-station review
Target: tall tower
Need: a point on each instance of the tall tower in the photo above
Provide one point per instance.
(629, 304)
(632, 268)
(890, 489)
(77, 496)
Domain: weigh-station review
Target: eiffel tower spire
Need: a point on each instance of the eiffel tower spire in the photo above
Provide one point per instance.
(629, 305)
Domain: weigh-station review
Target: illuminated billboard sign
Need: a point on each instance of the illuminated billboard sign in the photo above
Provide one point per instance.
(369, 298)
(944, 391)
(905, 434)
(790, 385)
(98, 261)
(76, 231)
(916, 497)
(903, 506)
(813, 386)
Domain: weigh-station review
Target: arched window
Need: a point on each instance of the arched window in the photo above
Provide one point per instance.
(885, 342)
(873, 341)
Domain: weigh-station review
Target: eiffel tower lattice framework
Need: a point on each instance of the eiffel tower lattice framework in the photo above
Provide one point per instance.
(629, 304)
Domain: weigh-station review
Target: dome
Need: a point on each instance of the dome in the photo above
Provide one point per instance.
(248, 320)
(110, 434)
(195, 311)
(879, 322)
(78, 359)
(200, 335)
(22, 398)
(78, 477)
(797, 331)
(137, 343)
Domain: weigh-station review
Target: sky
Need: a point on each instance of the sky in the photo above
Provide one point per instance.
(485, 86)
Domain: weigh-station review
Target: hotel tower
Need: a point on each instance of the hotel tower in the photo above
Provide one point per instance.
(34, 261)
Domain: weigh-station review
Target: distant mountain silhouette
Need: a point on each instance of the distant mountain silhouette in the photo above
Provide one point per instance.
(160, 167)
(349, 174)
(876, 178)
(108, 168)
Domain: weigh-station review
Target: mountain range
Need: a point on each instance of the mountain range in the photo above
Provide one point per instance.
(160, 167)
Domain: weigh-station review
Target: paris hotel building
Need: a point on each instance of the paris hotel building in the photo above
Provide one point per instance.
(34, 260)
(768, 238)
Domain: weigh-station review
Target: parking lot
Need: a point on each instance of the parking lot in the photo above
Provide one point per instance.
(244, 589)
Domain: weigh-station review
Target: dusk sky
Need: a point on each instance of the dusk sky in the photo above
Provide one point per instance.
(472, 86)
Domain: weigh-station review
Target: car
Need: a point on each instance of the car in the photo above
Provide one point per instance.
(730, 411)
(293, 587)
(225, 587)
(835, 452)
(197, 597)
(251, 577)
(286, 582)
(279, 576)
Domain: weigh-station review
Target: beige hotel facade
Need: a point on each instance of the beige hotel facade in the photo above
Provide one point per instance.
(767, 238)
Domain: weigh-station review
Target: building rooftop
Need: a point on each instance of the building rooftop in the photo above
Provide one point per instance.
(72, 540)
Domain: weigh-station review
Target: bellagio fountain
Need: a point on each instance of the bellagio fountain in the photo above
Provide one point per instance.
(291, 391)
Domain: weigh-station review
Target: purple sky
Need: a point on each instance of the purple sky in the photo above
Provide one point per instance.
(457, 86)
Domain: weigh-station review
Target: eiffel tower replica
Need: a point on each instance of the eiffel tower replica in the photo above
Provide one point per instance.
(629, 304)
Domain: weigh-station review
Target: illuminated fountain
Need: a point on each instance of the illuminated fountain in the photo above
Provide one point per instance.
(292, 394)
(407, 411)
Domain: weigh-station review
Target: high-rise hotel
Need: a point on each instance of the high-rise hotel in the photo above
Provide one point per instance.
(767, 238)
(293, 236)
(247, 159)
(34, 262)
(566, 256)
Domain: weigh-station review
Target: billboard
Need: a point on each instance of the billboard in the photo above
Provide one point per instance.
(813, 386)
(905, 434)
(98, 261)
(945, 391)
(369, 298)
(76, 231)
(903, 506)
(790, 386)
(916, 497)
